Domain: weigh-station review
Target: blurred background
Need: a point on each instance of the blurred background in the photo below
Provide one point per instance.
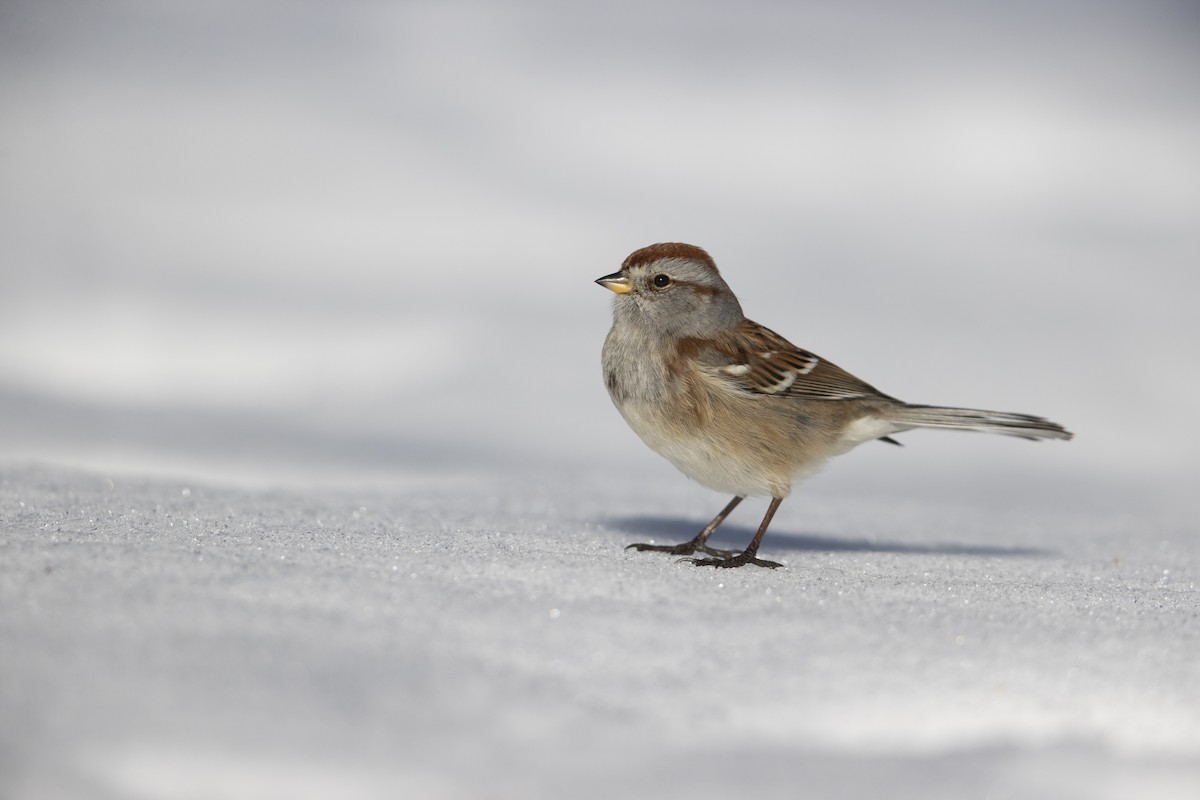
(339, 242)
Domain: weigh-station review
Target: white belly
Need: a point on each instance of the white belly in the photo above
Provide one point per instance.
(699, 458)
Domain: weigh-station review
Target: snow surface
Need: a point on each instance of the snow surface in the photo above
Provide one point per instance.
(309, 486)
(490, 638)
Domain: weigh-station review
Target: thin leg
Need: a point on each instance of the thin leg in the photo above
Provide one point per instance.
(699, 543)
(748, 556)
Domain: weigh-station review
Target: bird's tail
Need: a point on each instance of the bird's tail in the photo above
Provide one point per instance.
(973, 419)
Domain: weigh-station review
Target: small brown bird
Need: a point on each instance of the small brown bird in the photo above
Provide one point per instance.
(734, 405)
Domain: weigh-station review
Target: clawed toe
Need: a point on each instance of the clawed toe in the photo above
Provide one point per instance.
(685, 549)
(739, 560)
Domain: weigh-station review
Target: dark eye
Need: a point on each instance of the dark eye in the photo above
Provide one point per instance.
(662, 281)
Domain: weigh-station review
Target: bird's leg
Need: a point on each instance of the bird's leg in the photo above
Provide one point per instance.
(748, 556)
(699, 543)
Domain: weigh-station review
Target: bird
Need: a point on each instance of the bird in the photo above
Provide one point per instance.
(737, 407)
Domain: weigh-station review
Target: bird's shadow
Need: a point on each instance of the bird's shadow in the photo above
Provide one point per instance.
(672, 530)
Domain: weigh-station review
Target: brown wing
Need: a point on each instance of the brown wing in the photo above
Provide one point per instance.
(755, 359)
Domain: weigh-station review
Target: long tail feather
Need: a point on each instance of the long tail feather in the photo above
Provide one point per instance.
(1025, 426)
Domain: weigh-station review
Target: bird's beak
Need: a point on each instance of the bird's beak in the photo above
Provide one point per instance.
(616, 282)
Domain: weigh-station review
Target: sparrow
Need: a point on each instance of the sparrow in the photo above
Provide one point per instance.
(735, 406)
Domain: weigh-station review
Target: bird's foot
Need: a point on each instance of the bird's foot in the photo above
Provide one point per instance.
(685, 549)
(739, 560)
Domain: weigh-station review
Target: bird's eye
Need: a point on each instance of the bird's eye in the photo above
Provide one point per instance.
(662, 281)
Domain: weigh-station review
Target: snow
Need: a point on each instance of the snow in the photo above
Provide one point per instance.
(309, 485)
(490, 637)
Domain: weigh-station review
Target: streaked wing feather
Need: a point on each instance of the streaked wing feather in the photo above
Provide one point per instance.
(755, 359)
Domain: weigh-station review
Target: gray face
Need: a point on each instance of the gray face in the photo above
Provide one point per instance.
(677, 297)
